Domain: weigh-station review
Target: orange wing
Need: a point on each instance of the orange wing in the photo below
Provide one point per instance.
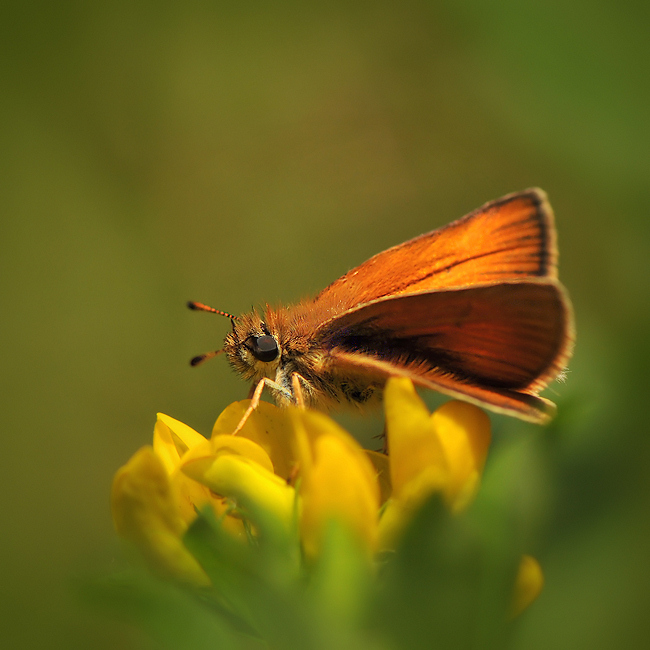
(522, 405)
(483, 342)
(512, 238)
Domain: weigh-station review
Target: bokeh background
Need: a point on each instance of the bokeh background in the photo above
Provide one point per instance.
(154, 152)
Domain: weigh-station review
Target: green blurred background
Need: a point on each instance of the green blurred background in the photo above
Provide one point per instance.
(154, 152)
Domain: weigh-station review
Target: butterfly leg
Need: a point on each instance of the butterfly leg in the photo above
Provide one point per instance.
(384, 438)
(296, 387)
(255, 394)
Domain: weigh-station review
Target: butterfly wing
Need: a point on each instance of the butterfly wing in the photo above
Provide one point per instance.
(512, 238)
(522, 405)
(486, 342)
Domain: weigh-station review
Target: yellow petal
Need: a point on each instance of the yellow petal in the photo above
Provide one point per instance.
(200, 460)
(314, 424)
(203, 455)
(464, 434)
(246, 482)
(268, 426)
(528, 584)
(171, 439)
(337, 481)
(145, 512)
(418, 466)
(192, 496)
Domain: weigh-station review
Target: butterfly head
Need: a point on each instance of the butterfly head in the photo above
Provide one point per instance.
(252, 348)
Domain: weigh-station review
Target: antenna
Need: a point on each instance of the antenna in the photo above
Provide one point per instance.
(198, 360)
(199, 306)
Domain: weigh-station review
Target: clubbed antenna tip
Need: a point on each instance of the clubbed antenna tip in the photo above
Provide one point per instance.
(199, 306)
(204, 357)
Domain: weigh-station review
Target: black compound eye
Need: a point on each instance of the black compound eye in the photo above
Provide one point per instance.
(265, 348)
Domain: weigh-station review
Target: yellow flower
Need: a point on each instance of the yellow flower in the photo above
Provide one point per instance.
(158, 493)
(240, 470)
(269, 427)
(153, 501)
(443, 452)
(418, 466)
(254, 472)
(337, 482)
(276, 447)
(250, 469)
(172, 440)
(528, 585)
(299, 476)
(464, 434)
(146, 512)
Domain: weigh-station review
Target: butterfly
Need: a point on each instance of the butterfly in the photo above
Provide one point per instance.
(473, 310)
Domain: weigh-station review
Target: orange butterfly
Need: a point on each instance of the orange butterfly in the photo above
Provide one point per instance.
(473, 310)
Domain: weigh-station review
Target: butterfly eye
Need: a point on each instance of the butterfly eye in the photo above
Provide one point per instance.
(265, 348)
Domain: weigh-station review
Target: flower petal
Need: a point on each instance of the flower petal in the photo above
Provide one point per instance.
(337, 481)
(250, 485)
(268, 426)
(225, 444)
(145, 512)
(464, 434)
(418, 466)
(171, 439)
(528, 584)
